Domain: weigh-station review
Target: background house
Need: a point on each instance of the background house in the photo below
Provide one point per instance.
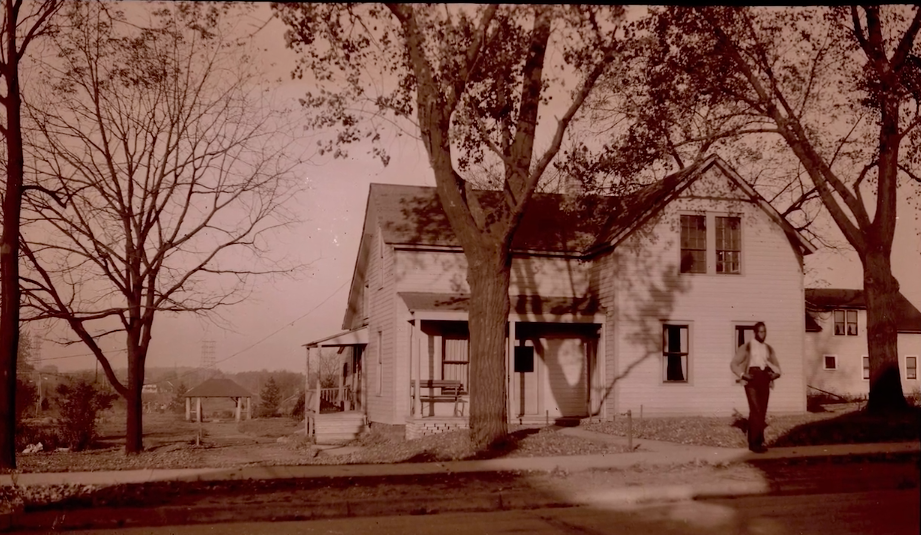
(836, 342)
(631, 303)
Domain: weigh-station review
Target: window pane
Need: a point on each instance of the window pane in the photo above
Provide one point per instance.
(911, 367)
(866, 367)
(728, 245)
(675, 342)
(839, 322)
(830, 363)
(693, 244)
(852, 322)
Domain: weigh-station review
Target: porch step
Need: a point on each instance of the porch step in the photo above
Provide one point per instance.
(338, 427)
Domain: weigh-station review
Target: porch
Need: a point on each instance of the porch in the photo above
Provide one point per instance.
(554, 373)
(334, 413)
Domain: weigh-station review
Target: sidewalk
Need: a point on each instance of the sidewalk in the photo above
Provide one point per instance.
(648, 453)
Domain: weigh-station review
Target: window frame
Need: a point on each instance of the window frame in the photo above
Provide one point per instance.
(825, 362)
(914, 375)
(847, 322)
(865, 367)
(684, 366)
(380, 363)
(681, 242)
(835, 322)
(444, 359)
(717, 236)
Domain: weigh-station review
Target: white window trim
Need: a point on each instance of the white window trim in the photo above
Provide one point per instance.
(915, 378)
(825, 366)
(662, 361)
(380, 363)
(710, 221)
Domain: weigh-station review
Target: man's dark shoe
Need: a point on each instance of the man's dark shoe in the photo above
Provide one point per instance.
(758, 448)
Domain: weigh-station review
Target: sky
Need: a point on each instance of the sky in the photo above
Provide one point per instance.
(269, 330)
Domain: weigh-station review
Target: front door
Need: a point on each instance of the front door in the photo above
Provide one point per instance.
(355, 383)
(524, 382)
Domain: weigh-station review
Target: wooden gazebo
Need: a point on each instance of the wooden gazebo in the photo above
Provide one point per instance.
(218, 388)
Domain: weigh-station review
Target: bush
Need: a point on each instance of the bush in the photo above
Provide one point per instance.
(80, 401)
(297, 412)
(48, 435)
(26, 397)
(269, 398)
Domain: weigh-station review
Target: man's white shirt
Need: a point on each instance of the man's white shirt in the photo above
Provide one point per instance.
(759, 355)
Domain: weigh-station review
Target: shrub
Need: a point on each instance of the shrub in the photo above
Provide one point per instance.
(80, 401)
(297, 412)
(269, 398)
(26, 396)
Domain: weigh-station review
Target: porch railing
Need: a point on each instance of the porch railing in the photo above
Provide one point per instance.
(330, 400)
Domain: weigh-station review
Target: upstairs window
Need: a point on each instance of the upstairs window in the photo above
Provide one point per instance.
(728, 245)
(846, 322)
(693, 244)
(911, 367)
(831, 362)
(675, 353)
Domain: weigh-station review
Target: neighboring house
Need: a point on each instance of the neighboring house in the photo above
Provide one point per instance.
(836, 342)
(633, 303)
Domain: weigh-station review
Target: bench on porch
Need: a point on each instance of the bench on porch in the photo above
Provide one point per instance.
(450, 392)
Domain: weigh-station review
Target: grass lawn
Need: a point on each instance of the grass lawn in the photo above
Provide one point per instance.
(845, 425)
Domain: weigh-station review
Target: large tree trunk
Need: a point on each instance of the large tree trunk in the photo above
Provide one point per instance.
(134, 434)
(9, 252)
(488, 273)
(882, 290)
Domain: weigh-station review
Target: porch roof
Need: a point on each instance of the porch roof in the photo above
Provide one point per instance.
(530, 305)
(346, 338)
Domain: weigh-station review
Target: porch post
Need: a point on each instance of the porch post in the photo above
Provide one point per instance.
(510, 367)
(417, 367)
(341, 397)
(188, 409)
(249, 408)
(307, 394)
(198, 408)
(316, 383)
(237, 406)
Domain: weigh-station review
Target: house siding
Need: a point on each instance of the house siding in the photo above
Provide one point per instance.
(641, 288)
(381, 406)
(446, 272)
(847, 377)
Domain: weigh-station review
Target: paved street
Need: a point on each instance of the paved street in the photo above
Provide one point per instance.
(892, 512)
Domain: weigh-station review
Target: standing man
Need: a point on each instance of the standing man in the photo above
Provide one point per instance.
(756, 366)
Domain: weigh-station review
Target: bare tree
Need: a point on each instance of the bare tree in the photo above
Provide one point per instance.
(476, 83)
(21, 26)
(167, 172)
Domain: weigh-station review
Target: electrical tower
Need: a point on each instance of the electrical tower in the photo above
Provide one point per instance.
(207, 355)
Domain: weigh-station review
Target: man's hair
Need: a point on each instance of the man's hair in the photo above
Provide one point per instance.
(759, 324)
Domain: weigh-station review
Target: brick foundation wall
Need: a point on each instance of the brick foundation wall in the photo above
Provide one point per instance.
(433, 426)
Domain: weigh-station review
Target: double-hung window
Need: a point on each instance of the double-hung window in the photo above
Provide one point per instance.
(911, 367)
(846, 322)
(866, 367)
(454, 366)
(693, 244)
(728, 245)
(675, 353)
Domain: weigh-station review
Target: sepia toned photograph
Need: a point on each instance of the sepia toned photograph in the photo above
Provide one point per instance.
(314, 268)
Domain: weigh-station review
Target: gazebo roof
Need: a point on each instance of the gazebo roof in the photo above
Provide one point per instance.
(218, 388)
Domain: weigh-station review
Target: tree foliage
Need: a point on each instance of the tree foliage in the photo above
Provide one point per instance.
(269, 399)
(483, 87)
(164, 170)
(836, 88)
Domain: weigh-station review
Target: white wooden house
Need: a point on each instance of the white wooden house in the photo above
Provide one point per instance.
(836, 342)
(632, 303)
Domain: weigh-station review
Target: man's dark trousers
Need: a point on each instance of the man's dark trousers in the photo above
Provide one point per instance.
(757, 391)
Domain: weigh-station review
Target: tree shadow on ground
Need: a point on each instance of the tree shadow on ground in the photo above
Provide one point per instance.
(858, 427)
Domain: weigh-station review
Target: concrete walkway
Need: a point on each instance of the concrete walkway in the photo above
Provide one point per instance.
(649, 453)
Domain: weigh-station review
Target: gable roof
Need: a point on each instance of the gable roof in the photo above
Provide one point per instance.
(217, 388)
(907, 317)
(412, 215)
(553, 223)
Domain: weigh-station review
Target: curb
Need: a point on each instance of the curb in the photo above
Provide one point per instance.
(128, 517)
